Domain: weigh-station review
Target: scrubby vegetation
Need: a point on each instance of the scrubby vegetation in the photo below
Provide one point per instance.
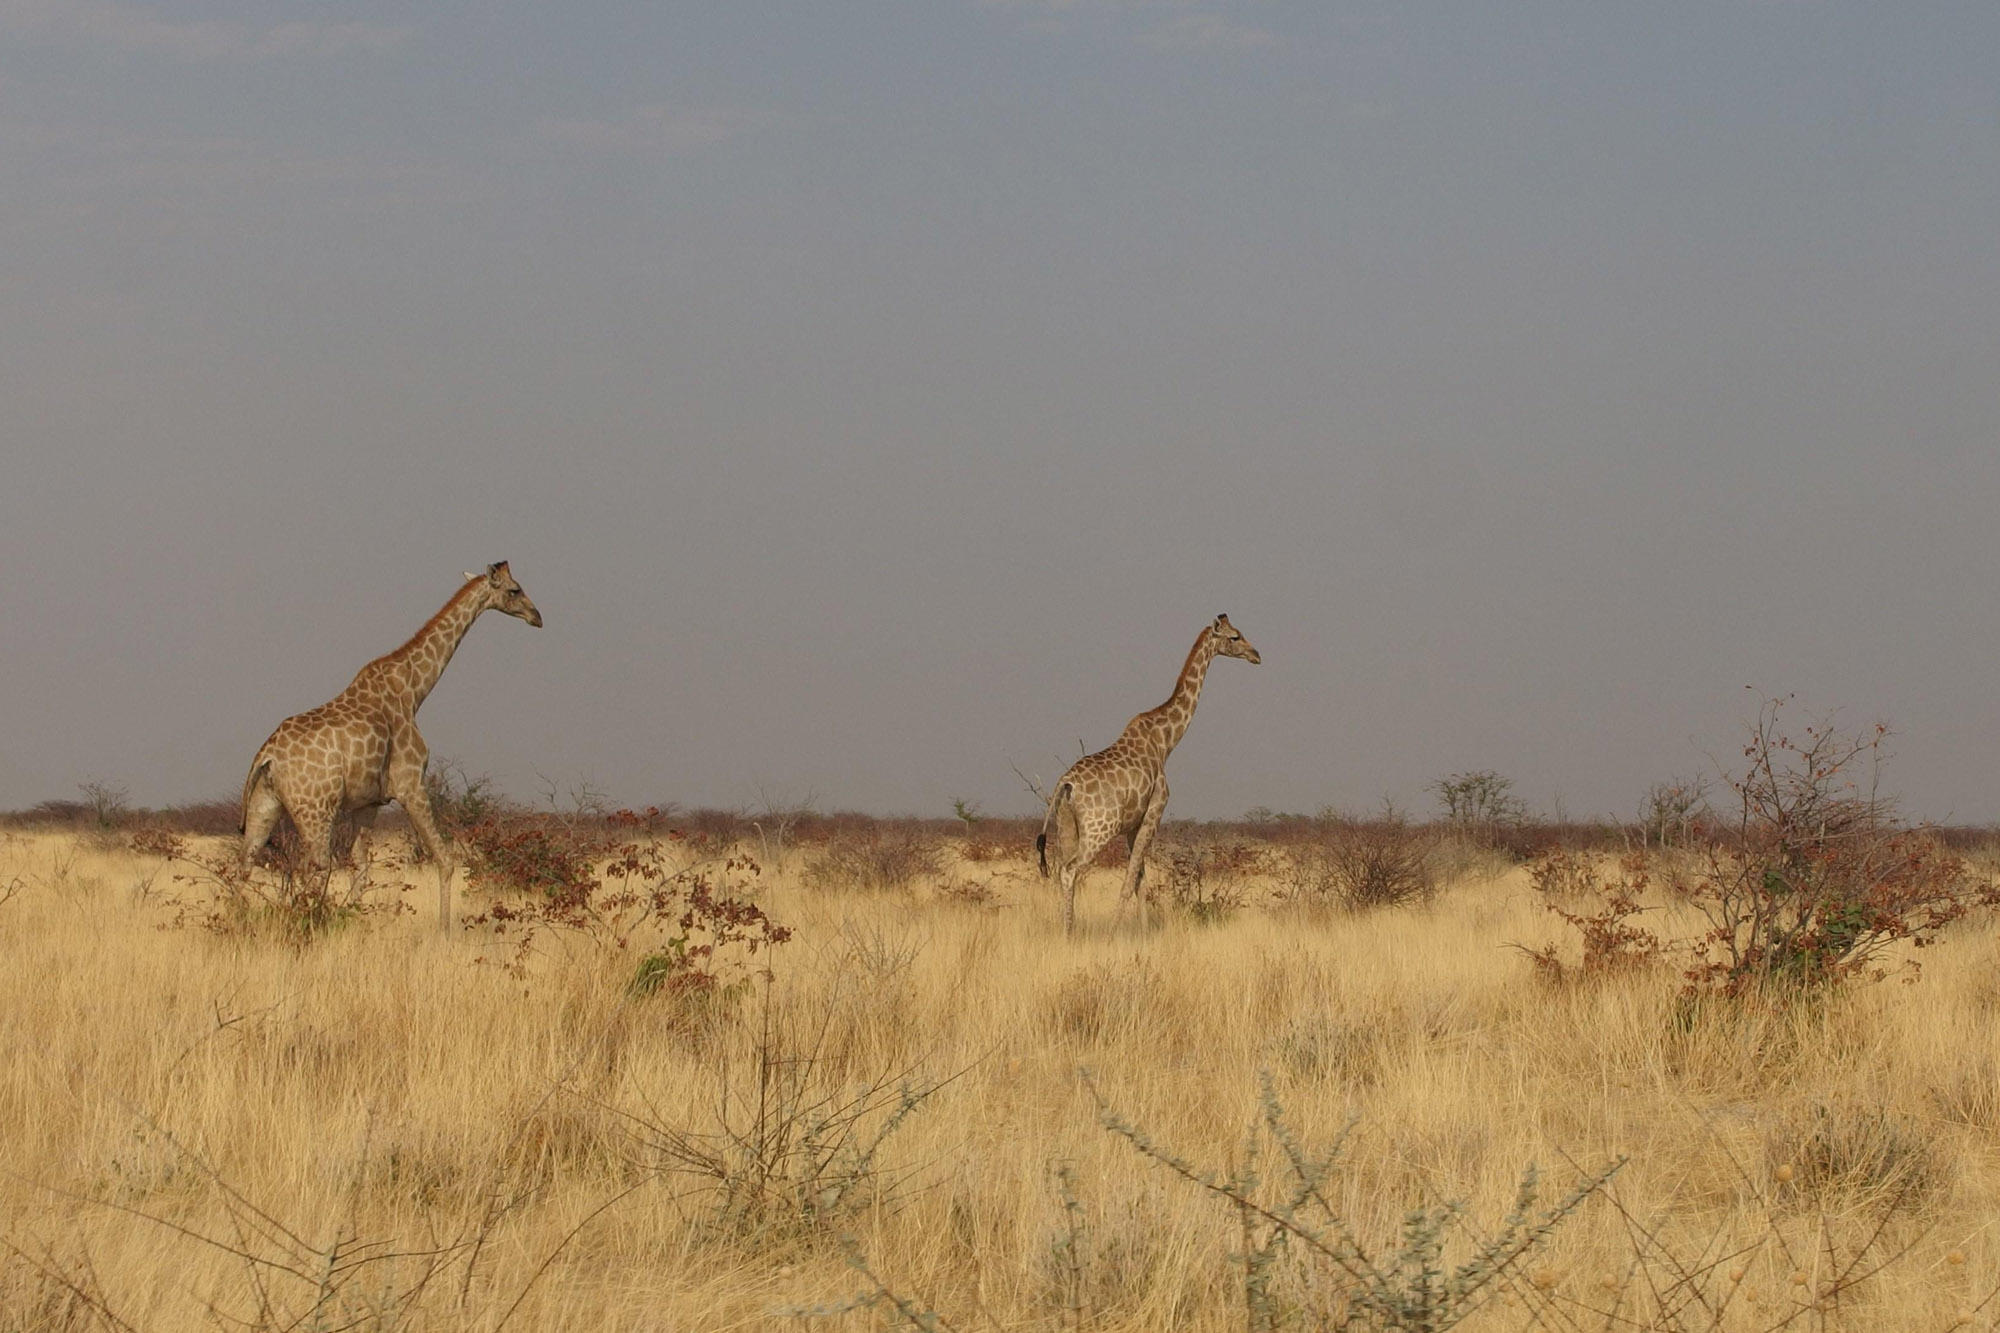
(1340, 1072)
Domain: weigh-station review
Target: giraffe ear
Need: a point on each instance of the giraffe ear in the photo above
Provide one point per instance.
(495, 570)
(1222, 620)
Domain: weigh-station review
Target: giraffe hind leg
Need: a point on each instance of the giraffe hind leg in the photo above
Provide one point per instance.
(315, 868)
(1128, 888)
(1077, 854)
(260, 817)
(364, 846)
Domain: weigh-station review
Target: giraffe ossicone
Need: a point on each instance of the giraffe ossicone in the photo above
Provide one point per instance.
(361, 749)
(1122, 789)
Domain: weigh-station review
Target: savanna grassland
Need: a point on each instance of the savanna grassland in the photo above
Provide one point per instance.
(214, 1116)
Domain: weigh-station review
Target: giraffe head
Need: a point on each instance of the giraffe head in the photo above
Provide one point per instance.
(1231, 643)
(503, 593)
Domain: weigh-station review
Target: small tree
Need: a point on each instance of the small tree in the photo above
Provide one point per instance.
(966, 812)
(1814, 877)
(1670, 811)
(1478, 802)
(774, 819)
(106, 802)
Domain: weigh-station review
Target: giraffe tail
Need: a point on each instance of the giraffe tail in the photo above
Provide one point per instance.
(258, 768)
(1056, 803)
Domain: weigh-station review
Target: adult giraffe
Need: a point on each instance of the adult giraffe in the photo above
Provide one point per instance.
(362, 748)
(1123, 788)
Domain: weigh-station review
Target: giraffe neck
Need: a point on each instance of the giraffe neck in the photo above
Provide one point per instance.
(416, 666)
(1173, 716)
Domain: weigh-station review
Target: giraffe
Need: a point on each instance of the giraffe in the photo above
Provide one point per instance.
(1123, 788)
(361, 748)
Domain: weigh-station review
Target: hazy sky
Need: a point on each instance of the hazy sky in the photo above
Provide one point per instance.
(876, 395)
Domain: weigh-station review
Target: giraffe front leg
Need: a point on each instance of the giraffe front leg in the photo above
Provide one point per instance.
(1140, 843)
(421, 819)
(406, 783)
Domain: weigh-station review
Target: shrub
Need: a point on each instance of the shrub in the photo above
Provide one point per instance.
(718, 826)
(1195, 881)
(796, 1139)
(458, 800)
(1530, 840)
(213, 892)
(220, 817)
(280, 1279)
(667, 899)
(56, 811)
(1283, 1212)
(1359, 864)
(549, 857)
(1574, 886)
(1838, 1152)
(978, 850)
(1814, 880)
(879, 857)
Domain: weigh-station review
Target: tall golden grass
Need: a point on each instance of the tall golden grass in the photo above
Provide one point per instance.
(379, 1130)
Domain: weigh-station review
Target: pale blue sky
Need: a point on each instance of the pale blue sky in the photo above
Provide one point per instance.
(874, 396)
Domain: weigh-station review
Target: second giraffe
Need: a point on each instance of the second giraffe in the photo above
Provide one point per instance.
(1123, 788)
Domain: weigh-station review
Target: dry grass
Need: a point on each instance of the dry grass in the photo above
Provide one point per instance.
(378, 1131)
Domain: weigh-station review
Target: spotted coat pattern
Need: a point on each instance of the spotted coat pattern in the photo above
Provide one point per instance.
(361, 748)
(1122, 789)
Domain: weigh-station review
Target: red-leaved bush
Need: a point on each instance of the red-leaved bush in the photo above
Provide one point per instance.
(624, 885)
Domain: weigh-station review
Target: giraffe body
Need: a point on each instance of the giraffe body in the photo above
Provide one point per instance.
(1122, 789)
(361, 748)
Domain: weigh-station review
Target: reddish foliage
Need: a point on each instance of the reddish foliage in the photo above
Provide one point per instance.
(1823, 910)
(535, 856)
(661, 893)
(1814, 879)
(1600, 909)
